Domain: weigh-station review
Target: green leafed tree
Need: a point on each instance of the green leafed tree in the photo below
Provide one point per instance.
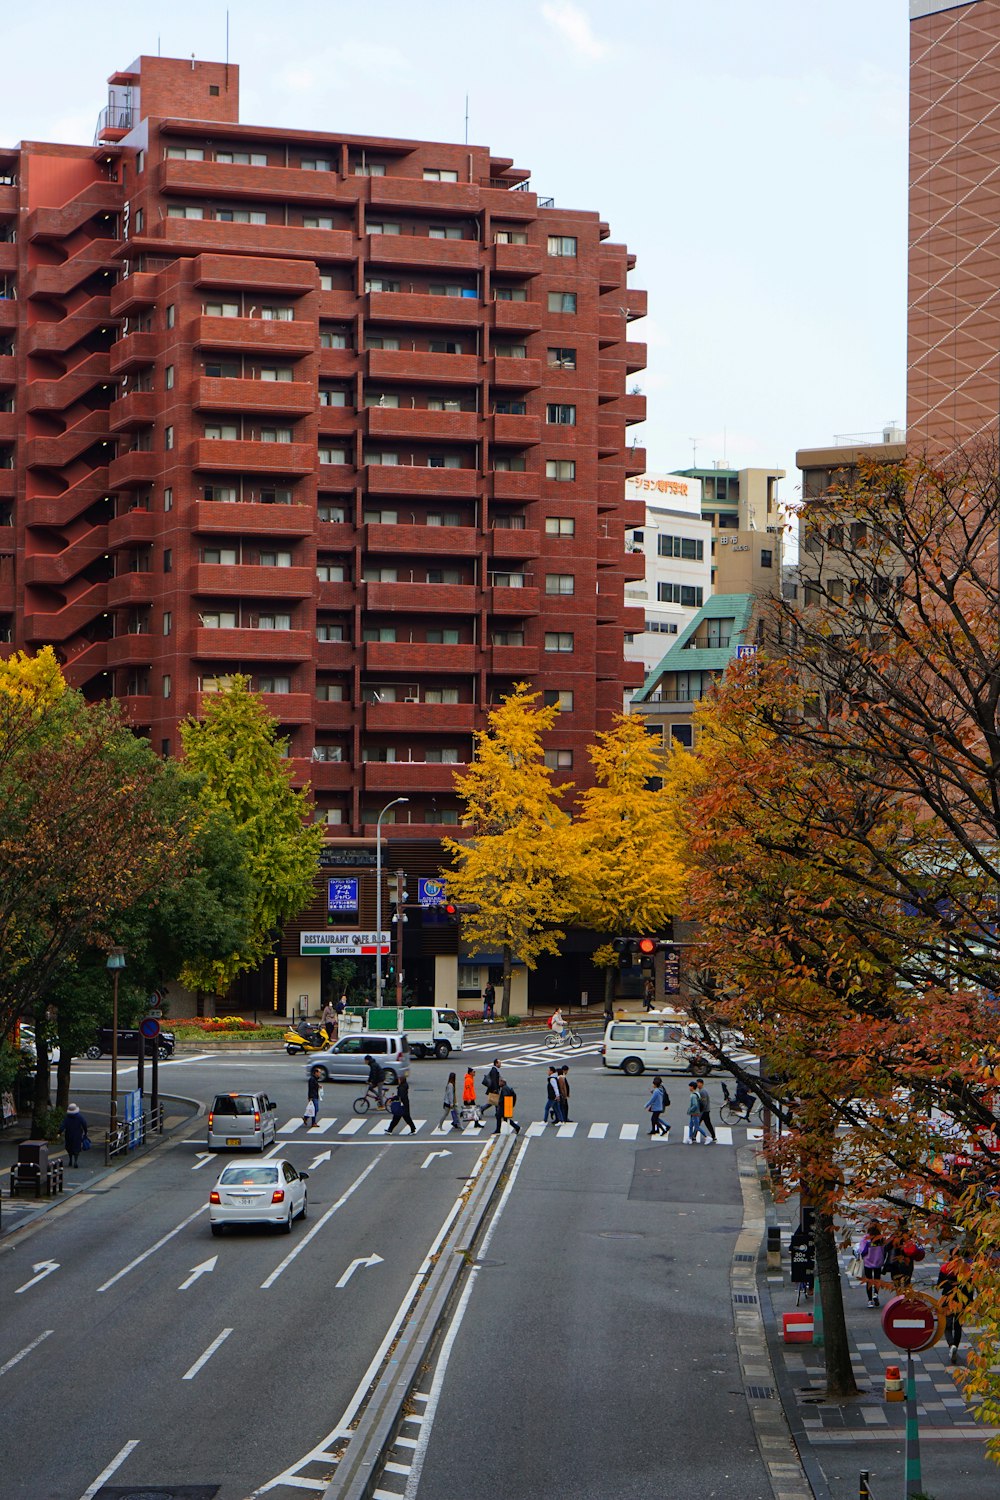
(515, 871)
(236, 751)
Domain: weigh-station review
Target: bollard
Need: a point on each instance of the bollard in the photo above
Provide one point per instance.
(773, 1247)
(864, 1488)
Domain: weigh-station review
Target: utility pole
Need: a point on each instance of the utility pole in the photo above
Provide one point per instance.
(401, 894)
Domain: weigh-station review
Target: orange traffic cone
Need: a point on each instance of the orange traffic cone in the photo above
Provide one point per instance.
(893, 1384)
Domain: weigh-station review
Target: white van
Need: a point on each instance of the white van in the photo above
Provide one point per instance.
(660, 1046)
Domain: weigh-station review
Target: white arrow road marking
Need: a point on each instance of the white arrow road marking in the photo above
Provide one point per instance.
(196, 1271)
(153, 1249)
(26, 1350)
(323, 1156)
(41, 1269)
(204, 1358)
(430, 1157)
(203, 1157)
(371, 1260)
(311, 1234)
(115, 1463)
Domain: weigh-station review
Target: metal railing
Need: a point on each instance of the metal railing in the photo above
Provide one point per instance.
(129, 1135)
(113, 117)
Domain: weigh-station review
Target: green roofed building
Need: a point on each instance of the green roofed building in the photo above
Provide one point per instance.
(723, 629)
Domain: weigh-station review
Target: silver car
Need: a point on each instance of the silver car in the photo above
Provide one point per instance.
(241, 1122)
(344, 1062)
(271, 1192)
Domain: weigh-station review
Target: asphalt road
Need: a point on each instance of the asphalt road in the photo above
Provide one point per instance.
(592, 1353)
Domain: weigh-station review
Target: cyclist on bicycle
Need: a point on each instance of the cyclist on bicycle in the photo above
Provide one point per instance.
(743, 1098)
(558, 1024)
(376, 1078)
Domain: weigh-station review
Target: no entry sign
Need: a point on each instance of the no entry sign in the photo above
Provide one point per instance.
(912, 1322)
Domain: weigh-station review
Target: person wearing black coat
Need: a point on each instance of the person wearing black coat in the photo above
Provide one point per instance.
(403, 1095)
(74, 1129)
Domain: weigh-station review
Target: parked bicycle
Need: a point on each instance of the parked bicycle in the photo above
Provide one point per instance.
(370, 1100)
(571, 1038)
(741, 1112)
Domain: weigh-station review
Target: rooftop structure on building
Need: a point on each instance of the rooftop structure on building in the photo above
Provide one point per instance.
(344, 414)
(723, 630)
(675, 544)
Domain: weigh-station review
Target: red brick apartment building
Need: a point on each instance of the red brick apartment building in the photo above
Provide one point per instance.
(345, 414)
(953, 383)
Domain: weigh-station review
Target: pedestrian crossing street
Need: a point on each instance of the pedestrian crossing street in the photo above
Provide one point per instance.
(529, 1054)
(359, 1125)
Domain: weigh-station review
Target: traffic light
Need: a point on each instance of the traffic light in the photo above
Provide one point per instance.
(451, 911)
(623, 948)
(647, 946)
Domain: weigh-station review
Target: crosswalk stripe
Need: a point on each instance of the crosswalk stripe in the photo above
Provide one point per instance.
(628, 1132)
(535, 1128)
(290, 1126)
(352, 1127)
(381, 1127)
(568, 1129)
(324, 1125)
(597, 1132)
(754, 1135)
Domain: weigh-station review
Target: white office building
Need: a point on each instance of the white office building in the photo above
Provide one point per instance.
(677, 546)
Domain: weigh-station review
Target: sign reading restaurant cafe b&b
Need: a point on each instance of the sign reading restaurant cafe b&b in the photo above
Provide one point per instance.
(345, 944)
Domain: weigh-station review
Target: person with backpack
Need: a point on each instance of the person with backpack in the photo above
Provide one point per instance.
(657, 1102)
(553, 1105)
(506, 1092)
(872, 1251)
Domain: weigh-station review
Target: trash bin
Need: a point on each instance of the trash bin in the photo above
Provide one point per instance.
(32, 1166)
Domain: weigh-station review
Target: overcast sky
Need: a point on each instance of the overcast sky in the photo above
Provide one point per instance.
(752, 155)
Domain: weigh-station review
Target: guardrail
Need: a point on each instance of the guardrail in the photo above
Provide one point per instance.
(129, 1135)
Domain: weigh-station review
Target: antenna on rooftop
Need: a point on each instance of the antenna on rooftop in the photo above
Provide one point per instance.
(694, 452)
(466, 119)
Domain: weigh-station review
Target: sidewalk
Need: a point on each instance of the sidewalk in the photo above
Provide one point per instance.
(24, 1208)
(837, 1439)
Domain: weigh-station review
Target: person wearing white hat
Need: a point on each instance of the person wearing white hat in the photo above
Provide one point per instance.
(74, 1129)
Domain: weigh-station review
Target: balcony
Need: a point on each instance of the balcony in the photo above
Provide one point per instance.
(509, 541)
(8, 312)
(248, 644)
(60, 334)
(338, 364)
(139, 708)
(611, 268)
(252, 581)
(252, 334)
(519, 374)
(518, 260)
(133, 649)
(337, 421)
(339, 303)
(135, 291)
(287, 708)
(421, 598)
(409, 776)
(338, 479)
(609, 439)
(8, 484)
(334, 656)
(241, 273)
(8, 199)
(413, 192)
(524, 317)
(338, 596)
(609, 664)
(409, 479)
(516, 430)
(8, 427)
(330, 716)
(136, 409)
(421, 250)
(134, 527)
(636, 303)
(131, 588)
(336, 535)
(250, 518)
(295, 397)
(442, 718)
(515, 661)
(326, 775)
(632, 407)
(439, 541)
(130, 469)
(417, 423)
(413, 364)
(422, 308)
(635, 358)
(133, 351)
(610, 329)
(508, 601)
(633, 620)
(635, 462)
(249, 239)
(8, 369)
(248, 457)
(420, 657)
(508, 485)
(219, 180)
(8, 256)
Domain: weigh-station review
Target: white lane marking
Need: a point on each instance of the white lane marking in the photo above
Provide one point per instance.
(724, 1135)
(754, 1136)
(537, 1127)
(432, 1156)
(382, 1128)
(352, 1127)
(17, 1358)
(344, 1426)
(153, 1249)
(168, 1062)
(41, 1269)
(290, 1126)
(419, 1445)
(628, 1132)
(397, 1469)
(369, 1260)
(204, 1157)
(115, 1463)
(318, 1160)
(311, 1234)
(324, 1125)
(204, 1358)
(597, 1132)
(203, 1269)
(568, 1129)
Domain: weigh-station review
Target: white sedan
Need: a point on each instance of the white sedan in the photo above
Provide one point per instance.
(270, 1192)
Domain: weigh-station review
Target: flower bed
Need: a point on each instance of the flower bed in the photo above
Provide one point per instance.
(191, 1028)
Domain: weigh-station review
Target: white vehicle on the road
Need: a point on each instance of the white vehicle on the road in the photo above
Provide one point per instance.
(270, 1192)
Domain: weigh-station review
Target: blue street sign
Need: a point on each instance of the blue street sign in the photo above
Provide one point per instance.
(342, 894)
(431, 893)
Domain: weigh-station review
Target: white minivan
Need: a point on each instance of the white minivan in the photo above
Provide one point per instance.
(660, 1046)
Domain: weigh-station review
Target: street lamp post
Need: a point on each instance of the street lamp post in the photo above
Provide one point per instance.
(116, 962)
(378, 895)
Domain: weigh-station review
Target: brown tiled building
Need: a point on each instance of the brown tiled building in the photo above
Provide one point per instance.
(954, 235)
(347, 415)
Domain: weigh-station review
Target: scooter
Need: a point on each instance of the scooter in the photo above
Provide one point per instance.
(305, 1038)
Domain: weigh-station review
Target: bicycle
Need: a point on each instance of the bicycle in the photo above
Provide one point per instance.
(571, 1039)
(370, 1097)
(732, 1113)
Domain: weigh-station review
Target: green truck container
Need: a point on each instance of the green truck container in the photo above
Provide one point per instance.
(432, 1032)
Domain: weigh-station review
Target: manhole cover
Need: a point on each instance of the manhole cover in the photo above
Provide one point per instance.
(746, 1298)
(745, 1258)
(760, 1393)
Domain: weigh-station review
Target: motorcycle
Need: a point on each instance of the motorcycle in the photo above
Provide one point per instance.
(305, 1038)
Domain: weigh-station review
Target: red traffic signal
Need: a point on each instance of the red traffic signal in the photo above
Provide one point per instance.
(450, 909)
(647, 945)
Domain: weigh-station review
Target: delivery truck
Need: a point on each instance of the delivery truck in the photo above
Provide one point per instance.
(432, 1032)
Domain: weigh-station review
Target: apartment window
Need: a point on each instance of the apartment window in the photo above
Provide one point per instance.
(380, 517)
(690, 548)
(277, 314)
(446, 518)
(442, 637)
(168, 438)
(440, 174)
(317, 221)
(335, 513)
(444, 461)
(728, 522)
(510, 294)
(272, 622)
(562, 302)
(168, 621)
(507, 638)
(444, 575)
(559, 583)
(167, 685)
(440, 403)
(164, 748)
(226, 555)
(380, 341)
(510, 351)
(682, 734)
(331, 632)
(276, 373)
(274, 684)
(684, 594)
(223, 369)
(217, 432)
(168, 497)
(444, 346)
(509, 523)
(560, 526)
(504, 464)
(333, 455)
(185, 211)
(560, 468)
(380, 575)
(562, 359)
(275, 434)
(215, 684)
(383, 457)
(559, 640)
(168, 377)
(558, 760)
(275, 559)
(381, 284)
(441, 695)
(331, 572)
(240, 216)
(325, 281)
(450, 289)
(241, 158)
(184, 153)
(382, 228)
(378, 633)
(221, 492)
(214, 310)
(562, 244)
(445, 756)
(168, 560)
(383, 399)
(316, 164)
(330, 339)
(139, 220)
(140, 161)
(561, 698)
(445, 232)
(220, 619)
(330, 692)
(507, 580)
(369, 169)
(766, 557)
(328, 752)
(510, 237)
(332, 398)
(559, 415)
